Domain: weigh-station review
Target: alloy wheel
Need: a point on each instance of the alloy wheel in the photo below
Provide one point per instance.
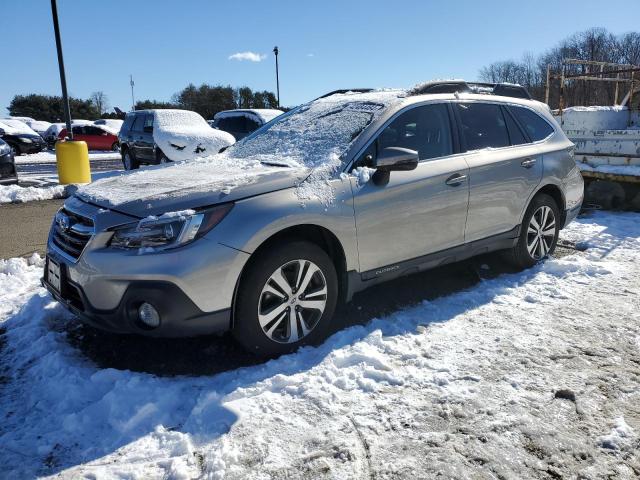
(541, 232)
(292, 301)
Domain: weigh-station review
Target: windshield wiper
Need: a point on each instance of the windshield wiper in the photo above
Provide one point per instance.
(274, 164)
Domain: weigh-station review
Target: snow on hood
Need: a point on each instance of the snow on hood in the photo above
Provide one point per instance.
(185, 135)
(16, 127)
(189, 184)
(39, 126)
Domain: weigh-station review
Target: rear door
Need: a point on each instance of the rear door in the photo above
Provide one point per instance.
(420, 211)
(505, 168)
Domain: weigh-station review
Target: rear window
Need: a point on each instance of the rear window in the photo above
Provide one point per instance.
(137, 123)
(127, 122)
(536, 126)
(483, 125)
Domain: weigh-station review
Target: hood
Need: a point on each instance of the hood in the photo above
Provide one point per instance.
(189, 185)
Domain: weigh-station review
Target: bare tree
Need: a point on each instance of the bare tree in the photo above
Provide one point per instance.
(100, 100)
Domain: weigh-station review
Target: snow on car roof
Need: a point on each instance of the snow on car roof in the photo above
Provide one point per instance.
(16, 127)
(174, 117)
(264, 114)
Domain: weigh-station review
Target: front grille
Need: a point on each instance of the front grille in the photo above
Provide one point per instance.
(71, 232)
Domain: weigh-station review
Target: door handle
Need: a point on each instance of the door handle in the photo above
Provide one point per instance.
(455, 180)
(529, 162)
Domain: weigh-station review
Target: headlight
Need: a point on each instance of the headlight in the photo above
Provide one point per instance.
(169, 230)
(25, 140)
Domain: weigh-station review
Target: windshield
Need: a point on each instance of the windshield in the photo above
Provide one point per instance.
(313, 134)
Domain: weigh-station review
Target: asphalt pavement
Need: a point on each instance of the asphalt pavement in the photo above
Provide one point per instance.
(24, 227)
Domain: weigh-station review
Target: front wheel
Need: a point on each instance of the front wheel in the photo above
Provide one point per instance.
(286, 299)
(128, 161)
(539, 232)
(115, 147)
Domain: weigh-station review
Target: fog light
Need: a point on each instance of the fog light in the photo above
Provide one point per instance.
(149, 315)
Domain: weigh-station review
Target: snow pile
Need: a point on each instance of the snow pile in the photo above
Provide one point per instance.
(633, 170)
(18, 194)
(458, 387)
(184, 135)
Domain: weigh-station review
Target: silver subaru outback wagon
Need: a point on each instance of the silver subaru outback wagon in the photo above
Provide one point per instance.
(349, 190)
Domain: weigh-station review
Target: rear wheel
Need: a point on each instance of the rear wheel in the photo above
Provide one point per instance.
(115, 147)
(539, 233)
(286, 299)
(129, 162)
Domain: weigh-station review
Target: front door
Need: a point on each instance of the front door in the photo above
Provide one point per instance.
(420, 211)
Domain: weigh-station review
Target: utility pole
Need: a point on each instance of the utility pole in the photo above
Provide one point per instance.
(133, 101)
(276, 51)
(63, 79)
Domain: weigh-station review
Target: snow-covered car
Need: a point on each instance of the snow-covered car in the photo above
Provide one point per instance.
(157, 136)
(241, 122)
(113, 123)
(39, 126)
(339, 194)
(20, 136)
(51, 134)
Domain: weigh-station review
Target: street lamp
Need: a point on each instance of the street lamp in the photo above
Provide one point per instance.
(276, 51)
(133, 101)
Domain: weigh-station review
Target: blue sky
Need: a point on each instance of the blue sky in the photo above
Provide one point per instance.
(323, 45)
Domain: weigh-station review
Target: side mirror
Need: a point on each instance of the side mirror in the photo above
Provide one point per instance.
(393, 159)
(148, 129)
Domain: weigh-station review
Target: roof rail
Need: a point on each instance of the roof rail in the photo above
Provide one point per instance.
(346, 90)
(460, 86)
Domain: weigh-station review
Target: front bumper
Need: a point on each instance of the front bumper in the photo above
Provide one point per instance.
(33, 147)
(192, 287)
(179, 316)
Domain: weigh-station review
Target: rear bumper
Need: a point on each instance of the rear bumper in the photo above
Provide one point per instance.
(179, 316)
(571, 214)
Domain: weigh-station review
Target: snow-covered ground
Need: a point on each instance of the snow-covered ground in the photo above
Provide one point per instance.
(528, 375)
(38, 175)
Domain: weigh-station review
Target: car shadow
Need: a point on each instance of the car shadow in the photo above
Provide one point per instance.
(208, 355)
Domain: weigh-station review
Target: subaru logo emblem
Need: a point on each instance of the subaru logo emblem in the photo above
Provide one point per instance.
(63, 221)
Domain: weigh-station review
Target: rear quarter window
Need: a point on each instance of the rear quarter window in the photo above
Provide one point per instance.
(536, 127)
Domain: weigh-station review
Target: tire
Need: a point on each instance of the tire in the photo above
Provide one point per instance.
(162, 158)
(533, 246)
(115, 147)
(16, 150)
(264, 310)
(128, 161)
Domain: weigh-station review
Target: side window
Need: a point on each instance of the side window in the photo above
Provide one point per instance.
(425, 129)
(536, 127)
(78, 130)
(148, 122)
(93, 131)
(251, 125)
(235, 124)
(515, 133)
(483, 125)
(127, 122)
(136, 126)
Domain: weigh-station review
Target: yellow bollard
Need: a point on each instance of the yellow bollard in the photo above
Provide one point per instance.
(73, 162)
